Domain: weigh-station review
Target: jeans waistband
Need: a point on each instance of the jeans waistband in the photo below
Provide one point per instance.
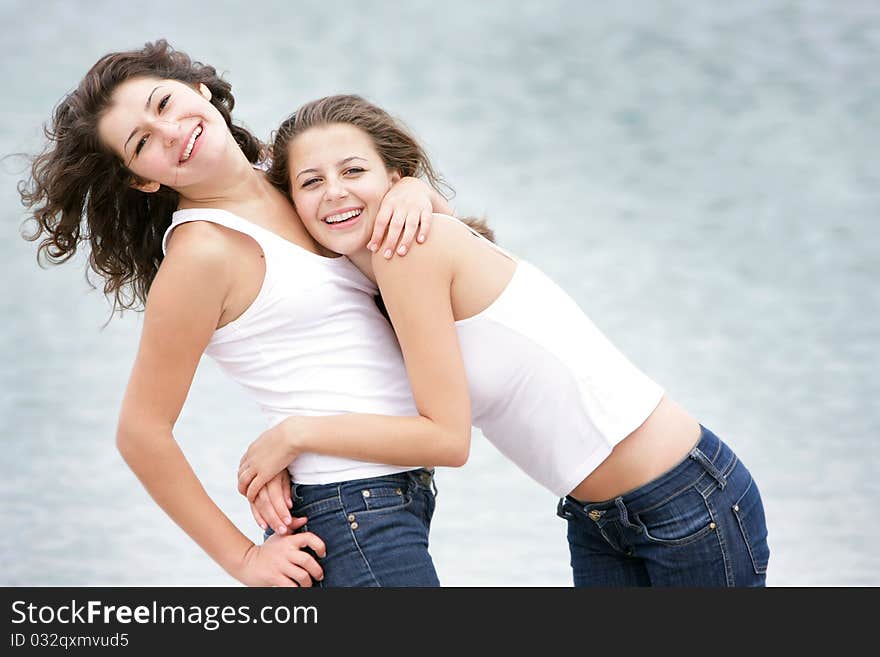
(308, 493)
(710, 460)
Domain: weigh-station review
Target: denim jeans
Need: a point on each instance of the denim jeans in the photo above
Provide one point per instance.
(700, 525)
(375, 530)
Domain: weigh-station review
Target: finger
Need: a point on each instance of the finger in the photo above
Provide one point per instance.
(257, 483)
(245, 477)
(382, 219)
(425, 225)
(285, 477)
(296, 522)
(264, 505)
(410, 227)
(308, 539)
(276, 498)
(258, 517)
(308, 563)
(297, 575)
(392, 234)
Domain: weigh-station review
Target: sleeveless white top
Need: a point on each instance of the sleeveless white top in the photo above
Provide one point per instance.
(313, 342)
(547, 388)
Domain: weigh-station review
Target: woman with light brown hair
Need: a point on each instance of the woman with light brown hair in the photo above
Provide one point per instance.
(651, 497)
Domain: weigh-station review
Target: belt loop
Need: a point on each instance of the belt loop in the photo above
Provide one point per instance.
(703, 460)
(621, 507)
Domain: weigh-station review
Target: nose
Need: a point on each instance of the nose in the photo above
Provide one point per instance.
(335, 189)
(167, 131)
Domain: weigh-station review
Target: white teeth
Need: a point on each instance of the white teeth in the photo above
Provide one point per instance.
(192, 141)
(339, 218)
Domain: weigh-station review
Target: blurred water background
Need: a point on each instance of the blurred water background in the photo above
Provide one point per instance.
(701, 177)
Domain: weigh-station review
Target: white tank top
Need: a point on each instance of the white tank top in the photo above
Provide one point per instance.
(313, 342)
(547, 388)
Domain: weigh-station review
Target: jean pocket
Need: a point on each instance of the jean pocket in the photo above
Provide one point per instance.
(317, 508)
(385, 496)
(679, 520)
(749, 513)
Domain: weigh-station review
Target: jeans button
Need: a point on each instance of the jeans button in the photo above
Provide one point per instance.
(365, 493)
(595, 514)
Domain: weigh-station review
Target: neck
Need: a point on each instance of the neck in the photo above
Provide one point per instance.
(234, 183)
(363, 260)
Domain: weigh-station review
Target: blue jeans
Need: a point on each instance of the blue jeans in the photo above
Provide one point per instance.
(700, 525)
(375, 530)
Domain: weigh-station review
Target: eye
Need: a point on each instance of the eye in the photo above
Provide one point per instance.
(163, 102)
(310, 182)
(140, 145)
(353, 171)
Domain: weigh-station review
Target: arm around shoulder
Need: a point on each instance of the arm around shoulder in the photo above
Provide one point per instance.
(416, 291)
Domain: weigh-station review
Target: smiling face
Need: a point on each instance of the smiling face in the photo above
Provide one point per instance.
(165, 132)
(337, 182)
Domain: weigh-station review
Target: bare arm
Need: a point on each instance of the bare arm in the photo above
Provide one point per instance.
(416, 291)
(183, 309)
(406, 210)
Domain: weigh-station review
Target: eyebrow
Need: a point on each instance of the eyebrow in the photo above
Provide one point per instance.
(146, 109)
(339, 164)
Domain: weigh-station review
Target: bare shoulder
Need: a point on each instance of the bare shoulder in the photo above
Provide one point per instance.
(451, 231)
(198, 239)
(462, 235)
(439, 253)
(201, 255)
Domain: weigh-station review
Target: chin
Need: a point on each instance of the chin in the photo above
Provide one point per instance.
(345, 245)
(348, 249)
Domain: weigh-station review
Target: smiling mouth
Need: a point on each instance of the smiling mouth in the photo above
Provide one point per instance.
(191, 143)
(342, 217)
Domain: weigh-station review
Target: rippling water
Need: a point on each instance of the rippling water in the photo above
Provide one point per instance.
(700, 177)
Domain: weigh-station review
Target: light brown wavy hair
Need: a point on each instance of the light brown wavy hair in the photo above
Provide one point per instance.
(80, 191)
(398, 148)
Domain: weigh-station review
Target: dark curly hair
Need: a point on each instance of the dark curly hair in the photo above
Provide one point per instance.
(79, 190)
(396, 146)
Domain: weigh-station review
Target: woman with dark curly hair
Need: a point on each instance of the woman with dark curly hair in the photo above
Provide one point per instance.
(144, 164)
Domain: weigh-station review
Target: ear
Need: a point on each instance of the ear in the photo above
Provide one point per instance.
(148, 186)
(394, 176)
(204, 91)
